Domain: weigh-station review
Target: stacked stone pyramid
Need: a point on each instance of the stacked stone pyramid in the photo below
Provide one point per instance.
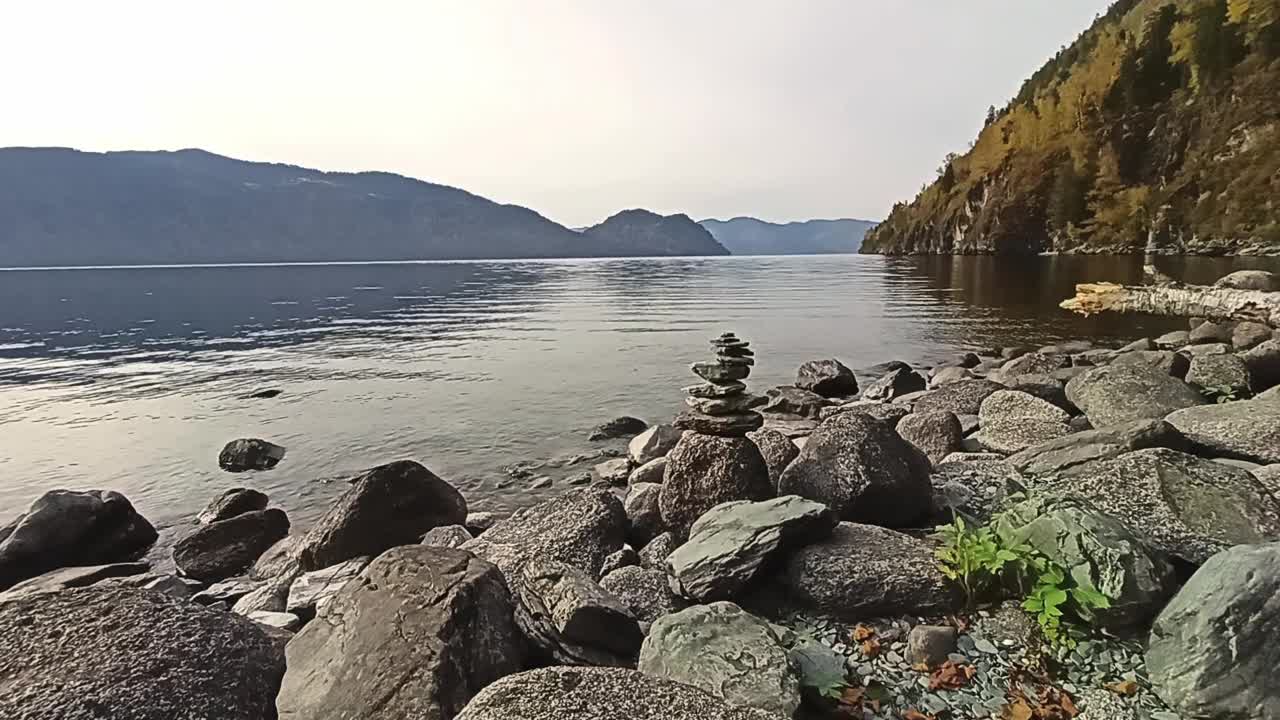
(721, 405)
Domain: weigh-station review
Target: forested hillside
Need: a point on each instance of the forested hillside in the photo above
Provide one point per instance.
(1157, 129)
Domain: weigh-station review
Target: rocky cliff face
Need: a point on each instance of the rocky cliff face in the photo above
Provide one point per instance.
(1157, 130)
(645, 233)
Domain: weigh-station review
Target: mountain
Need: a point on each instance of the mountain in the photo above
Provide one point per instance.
(749, 236)
(642, 233)
(1157, 129)
(65, 207)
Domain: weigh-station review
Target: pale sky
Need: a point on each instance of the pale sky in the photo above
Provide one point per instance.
(781, 109)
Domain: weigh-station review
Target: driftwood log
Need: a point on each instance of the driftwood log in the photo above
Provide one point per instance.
(1211, 303)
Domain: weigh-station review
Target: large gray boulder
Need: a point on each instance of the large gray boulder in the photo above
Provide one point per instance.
(962, 398)
(1250, 334)
(899, 381)
(1185, 506)
(644, 591)
(310, 592)
(1220, 374)
(828, 378)
(643, 512)
(653, 443)
(394, 504)
(1012, 420)
(235, 501)
(1210, 332)
(1063, 454)
(578, 693)
(112, 651)
(651, 472)
(704, 471)
(72, 577)
(1167, 361)
(777, 450)
(729, 545)
(936, 434)
(1250, 280)
(726, 651)
(860, 468)
(571, 620)
(866, 571)
(64, 528)
(1099, 553)
(1114, 394)
(250, 454)
(581, 528)
(417, 635)
(788, 400)
(1215, 648)
(891, 413)
(1248, 430)
(1263, 362)
(229, 547)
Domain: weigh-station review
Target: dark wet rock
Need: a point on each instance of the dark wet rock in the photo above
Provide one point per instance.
(235, 501)
(972, 488)
(655, 553)
(618, 427)
(229, 547)
(1264, 364)
(450, 536)
(935, 434)
(734, 425)
(576, 693)
(643, 512)
(731, 543)
(111, 651)
(1171, 363)
(626, 557)
(1173, 340)
(866, 571)
(1100, 553)
(570, 620)
(72, 577)
(394, 504)
(1063, 454)
(962, 398)
(1139, 344)
(777, 449)
(1250, 280)
(369, 658)
(1249, 334)
(1213, 651)
(581, 528)
(895, 383)
(930, 645)
(1247, 430)
(651, 472)
(65, 528)
(479, 522)
(645, 592)
(615, 471)
(1115, 394)
(704, 471)
(726, 651)
(653, 443)
(250, 454)
(279, 559)
(828, 378)
(788, 400)
(861, 469)
(1220, 373)
(1210, 332)
(1182, 505)
(309, 592)
(265, 394)
(227, 591)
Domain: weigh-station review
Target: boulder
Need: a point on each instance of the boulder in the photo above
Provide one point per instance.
(227, 592)
(310, 592)
(1187, 507)
(279, 559)
(726, 651)
(577, 693)
(1247, 430)
(570, 620)
(650, 472)
(618, 427)
(653, 443)
(276, 620)
(704, 471)
(1114, 394)
(626, 557)
(1099, 553)
(65, 528)
(891, 413)
(777, 450)
(948, 375)
(112, 651)
(862, 469)
(1210, 332)
(729, 545)
(1249, 334)
(1169, 362)
(273, 596)
(1139, 344)
(936, 434)
(450, 536)
(1250, 280)
(1011, 435)
(864, 571)
(972, 488)
(229, 547)
(644, 591)
(894, 384)
(479, 522)
(828, 378)
(1046, 387)
(788, 400)
(372, 659)
(249, 454)
(72, 577)
(655, 553)
(962, 398)
(1264, 364)
(1220, 374)
(394, 504)
(1034, 363)
(1173, 340)
(615, 471)
(643, 512)
(1063, 454)
(235, 501)
(1214, 649)
(580, 528)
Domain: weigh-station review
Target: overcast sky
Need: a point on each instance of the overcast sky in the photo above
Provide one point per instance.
(782, 109)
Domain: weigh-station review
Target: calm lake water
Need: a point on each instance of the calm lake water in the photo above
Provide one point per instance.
(133, 378)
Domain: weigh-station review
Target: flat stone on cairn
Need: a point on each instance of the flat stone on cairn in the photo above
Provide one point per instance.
(721, 405)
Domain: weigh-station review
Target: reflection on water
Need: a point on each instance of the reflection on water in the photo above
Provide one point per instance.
(134, 378)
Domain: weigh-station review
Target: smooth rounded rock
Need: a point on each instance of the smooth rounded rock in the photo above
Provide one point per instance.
(704, 471)
(1114, 394)
(777, 449)
(250, 454)
(1246, 430)
(936, 434)
(235, 501)
(962, 398)
(229, 547)
(829, 378)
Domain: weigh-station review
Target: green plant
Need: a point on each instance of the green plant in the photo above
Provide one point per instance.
(1220, 393)
(972, 557)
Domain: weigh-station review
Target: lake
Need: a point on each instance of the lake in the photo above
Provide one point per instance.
(133, 378)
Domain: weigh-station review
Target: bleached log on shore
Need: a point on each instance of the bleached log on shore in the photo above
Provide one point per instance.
(1212, 303)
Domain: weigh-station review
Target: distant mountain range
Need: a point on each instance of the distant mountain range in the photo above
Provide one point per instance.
(749, 236)
(65, 207)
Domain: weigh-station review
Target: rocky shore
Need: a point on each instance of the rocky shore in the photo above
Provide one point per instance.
(1032, 533)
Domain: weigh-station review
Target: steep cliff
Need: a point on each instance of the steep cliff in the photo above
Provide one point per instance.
(1158, 129)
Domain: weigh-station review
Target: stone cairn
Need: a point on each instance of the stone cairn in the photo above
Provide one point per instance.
(721, 405)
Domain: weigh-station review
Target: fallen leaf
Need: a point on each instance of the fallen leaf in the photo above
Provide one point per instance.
(871, 647)
(1068, 705)
(863, 632)
(951, 676)
(921, 667)
(917, 715)
(1017, 710)
(1128, 688)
